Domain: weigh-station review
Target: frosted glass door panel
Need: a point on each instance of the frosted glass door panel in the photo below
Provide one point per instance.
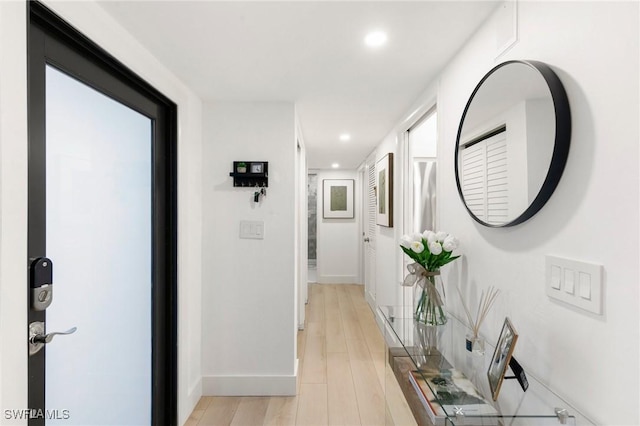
(98, 161)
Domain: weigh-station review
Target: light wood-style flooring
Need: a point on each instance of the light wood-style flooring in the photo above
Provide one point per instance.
(342, 373)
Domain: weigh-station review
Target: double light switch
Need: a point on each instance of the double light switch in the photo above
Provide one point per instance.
(253, 230)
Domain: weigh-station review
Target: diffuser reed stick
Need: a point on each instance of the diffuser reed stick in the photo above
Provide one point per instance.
(486, 301)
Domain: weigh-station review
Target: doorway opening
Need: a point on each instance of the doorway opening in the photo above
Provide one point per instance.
(312, 215)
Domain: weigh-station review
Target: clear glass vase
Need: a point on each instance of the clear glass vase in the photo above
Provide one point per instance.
(429, 300)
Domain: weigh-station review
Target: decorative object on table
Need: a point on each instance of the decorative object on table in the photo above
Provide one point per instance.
(501, 357)
(337, 196)
(449, 393)
(430, 251)
(384, 193)
(425, 339)
(474, 342)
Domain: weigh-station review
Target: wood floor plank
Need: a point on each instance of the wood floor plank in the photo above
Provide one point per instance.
(194, 418)
(350, 321)
(203, 403)
(314, 368)
(335, 336)
(369, 392)
(331, 305)
(342, 401)
(316, 303)
(379, 363)
(251, 411)
(282, 411)
(316, 329)
(312, 405)
(220, 411)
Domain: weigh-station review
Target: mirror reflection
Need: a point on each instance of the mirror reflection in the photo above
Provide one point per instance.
(506, 143)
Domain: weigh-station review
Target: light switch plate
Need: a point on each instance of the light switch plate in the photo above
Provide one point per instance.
(578, 284)
(252, 229)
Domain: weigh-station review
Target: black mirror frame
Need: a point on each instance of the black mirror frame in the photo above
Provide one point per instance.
(560, 147)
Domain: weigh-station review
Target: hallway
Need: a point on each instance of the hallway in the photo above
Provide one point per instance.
(342, 372)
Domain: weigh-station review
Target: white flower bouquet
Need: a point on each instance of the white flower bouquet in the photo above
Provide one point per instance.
(430, 251)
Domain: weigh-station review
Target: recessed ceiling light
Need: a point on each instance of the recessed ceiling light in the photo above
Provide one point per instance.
(345, 137)
(335, 165)
(375, 39)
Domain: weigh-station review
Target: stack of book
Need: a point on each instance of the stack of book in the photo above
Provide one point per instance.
(449, 392)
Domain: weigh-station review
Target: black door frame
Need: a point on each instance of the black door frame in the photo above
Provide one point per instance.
(53, 41)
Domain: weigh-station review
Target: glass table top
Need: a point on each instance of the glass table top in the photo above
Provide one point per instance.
(457, 385)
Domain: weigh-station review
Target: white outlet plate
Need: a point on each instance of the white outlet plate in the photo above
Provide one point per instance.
(574, 282)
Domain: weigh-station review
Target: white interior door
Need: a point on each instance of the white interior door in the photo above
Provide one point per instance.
(369, 219)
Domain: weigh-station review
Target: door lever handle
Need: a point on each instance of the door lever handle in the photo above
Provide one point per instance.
(47, 338)
(38, 338)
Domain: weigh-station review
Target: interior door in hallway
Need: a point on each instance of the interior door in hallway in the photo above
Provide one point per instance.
(101, 250)
(369, 234)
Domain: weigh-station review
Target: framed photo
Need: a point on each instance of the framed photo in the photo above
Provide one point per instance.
(257, 168)
(384, 193)
(338, 200)
(501, 357)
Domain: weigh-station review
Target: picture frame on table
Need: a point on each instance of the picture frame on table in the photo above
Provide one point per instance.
(501, 357)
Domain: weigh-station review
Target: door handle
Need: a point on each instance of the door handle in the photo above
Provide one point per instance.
(38, 338)
(366, 240)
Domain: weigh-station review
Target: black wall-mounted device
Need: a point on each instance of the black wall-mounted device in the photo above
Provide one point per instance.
(250, 174)
(41, 283)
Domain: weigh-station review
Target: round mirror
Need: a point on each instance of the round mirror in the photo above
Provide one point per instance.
(512, 143)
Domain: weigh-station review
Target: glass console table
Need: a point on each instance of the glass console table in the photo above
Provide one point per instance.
(408, 353)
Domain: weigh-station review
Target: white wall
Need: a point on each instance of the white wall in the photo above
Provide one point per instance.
(249, 321)
(90, 19)
(591, 361)
(13, 206)
(338, 243)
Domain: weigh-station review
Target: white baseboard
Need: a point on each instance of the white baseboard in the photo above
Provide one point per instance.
(250, 385)
(370, 300)
(337, 279)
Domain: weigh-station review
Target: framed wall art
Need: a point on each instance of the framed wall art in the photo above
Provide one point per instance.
(384, 196)
(338, 200)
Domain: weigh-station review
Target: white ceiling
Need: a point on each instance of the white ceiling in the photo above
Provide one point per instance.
(310, 53)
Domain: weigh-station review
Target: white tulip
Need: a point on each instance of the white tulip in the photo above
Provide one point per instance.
(450, 243)
(441, 236)
(416, 236)
(435, 248)
(429, 236)
(417, 246)
(406, 241)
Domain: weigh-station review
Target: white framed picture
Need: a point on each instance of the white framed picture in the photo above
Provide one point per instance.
(384, 191)
(337, 199)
